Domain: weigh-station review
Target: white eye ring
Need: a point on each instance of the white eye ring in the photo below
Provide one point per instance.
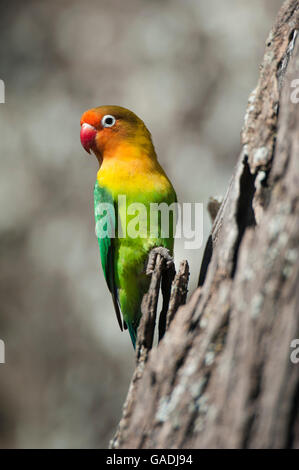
(108, 120)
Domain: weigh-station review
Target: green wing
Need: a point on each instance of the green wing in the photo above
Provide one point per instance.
(105, 218)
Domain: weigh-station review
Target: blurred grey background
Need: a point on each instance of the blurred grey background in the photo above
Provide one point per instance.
(186, 67)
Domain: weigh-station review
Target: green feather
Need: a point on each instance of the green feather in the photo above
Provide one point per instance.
(124, 259)
(102, 195)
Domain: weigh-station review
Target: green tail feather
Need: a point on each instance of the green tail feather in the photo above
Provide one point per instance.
(133, 333)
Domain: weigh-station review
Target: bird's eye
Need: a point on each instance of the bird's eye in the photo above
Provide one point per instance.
(108, 120)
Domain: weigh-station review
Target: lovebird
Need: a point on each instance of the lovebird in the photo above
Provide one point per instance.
(128, 171)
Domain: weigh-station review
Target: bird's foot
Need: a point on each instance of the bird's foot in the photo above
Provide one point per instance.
(165, 253)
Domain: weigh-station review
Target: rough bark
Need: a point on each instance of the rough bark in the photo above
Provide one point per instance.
(222, 377)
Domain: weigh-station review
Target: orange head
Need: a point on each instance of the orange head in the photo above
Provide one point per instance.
(106, 128)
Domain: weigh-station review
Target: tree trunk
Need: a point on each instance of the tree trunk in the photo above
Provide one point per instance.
(222, 376)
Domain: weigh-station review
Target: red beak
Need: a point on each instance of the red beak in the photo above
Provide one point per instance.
(87, 136)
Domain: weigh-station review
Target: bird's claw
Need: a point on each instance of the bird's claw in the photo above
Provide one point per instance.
(164, 252)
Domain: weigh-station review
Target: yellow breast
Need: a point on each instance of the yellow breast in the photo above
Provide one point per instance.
(129, 171)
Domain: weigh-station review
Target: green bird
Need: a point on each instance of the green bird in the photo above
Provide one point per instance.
(129, 176)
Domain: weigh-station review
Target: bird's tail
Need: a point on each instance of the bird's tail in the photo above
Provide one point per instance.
(133, 333)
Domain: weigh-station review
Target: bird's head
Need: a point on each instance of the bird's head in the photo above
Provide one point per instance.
(106, 129)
